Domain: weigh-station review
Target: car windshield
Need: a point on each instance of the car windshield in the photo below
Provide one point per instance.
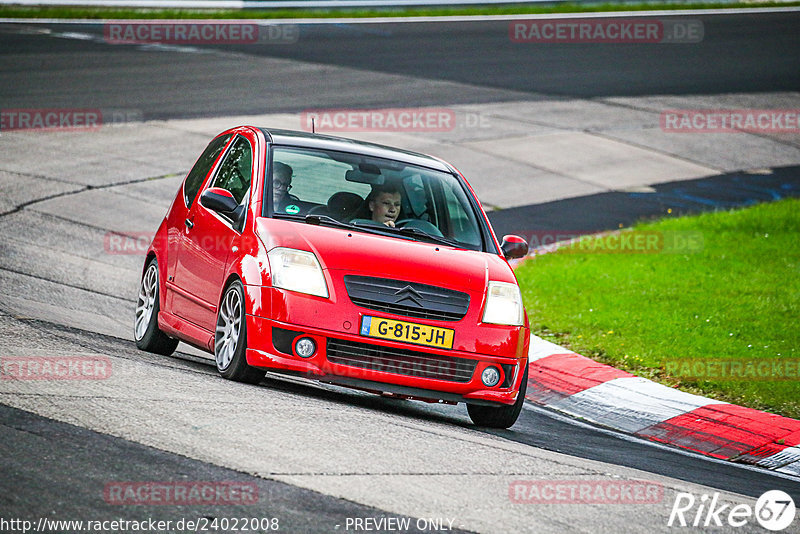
(373, 195)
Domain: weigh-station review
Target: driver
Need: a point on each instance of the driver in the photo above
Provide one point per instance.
(384, 203)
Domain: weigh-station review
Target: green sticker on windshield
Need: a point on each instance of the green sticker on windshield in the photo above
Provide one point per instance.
(292, 209)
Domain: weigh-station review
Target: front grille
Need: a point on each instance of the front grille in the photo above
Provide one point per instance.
(407, 298)
(400, 361)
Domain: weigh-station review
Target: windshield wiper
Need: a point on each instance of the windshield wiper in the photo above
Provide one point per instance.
(373, 228)
(318, 219)
(327, 220)
(416, 232)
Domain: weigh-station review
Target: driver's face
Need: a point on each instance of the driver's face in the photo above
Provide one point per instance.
(385, 208)
(280, 187)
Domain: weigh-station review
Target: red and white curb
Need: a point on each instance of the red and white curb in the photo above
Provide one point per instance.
(567, 382)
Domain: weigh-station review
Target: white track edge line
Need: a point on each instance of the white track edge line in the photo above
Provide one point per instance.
(454, 18)
(528, 405)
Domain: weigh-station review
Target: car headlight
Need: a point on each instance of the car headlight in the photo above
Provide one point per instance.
(503, 304)
(297, 270)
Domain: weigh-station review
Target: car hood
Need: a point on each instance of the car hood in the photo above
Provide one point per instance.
(387, 257)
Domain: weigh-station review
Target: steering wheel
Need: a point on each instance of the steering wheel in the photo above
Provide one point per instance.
(419, 224)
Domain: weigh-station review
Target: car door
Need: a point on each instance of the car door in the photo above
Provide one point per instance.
(208, 237)
(179, 212)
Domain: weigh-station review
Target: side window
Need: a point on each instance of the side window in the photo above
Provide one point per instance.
(417, 198)
(200, 170)
(236, 170)
(462, 221)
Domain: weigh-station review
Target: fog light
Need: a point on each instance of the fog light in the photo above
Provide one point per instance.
(305, 347)
(490, 377)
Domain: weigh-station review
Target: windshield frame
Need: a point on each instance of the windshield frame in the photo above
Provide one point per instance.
(488, 243)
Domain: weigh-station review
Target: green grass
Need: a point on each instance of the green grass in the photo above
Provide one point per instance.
(736, 299)
(67, 12)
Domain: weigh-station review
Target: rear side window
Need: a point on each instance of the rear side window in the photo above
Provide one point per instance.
(200, 170)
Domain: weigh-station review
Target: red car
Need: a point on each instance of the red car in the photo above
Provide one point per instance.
(347, 262)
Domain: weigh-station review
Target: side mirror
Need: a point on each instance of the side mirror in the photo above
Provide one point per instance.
(219, 200)
(514, 247)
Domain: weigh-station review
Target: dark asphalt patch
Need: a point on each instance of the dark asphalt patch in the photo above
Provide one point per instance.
(59, 471)
(613, 210)
(536, 428)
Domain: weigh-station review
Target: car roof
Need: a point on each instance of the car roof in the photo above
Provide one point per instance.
(341, 144)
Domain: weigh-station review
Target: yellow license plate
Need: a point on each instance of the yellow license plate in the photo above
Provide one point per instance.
(420, 334)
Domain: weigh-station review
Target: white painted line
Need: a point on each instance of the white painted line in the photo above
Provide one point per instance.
(539, 348)
(791, 469)
(786, 461)
(548, 412)
(630, 404)
(453, 18)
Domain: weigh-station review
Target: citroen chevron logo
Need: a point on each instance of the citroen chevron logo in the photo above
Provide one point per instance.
(408, 293)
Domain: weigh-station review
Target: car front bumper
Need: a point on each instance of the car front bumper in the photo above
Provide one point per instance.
(345, 357)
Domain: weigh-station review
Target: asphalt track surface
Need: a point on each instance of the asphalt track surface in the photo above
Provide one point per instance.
(405, 64)
(387, 65)
(87, 460)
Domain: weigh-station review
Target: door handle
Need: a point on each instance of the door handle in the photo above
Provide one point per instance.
(188, 223)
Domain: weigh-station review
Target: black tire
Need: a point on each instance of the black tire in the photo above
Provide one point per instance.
(145, 326)
(503, 416)
(230, 338)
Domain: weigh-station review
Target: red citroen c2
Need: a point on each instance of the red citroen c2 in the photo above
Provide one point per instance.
(342, 261)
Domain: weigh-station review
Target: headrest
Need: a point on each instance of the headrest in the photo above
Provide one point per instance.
(343, 203)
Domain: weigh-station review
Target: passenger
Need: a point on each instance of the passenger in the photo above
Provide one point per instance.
(384, 203)
(281, 184)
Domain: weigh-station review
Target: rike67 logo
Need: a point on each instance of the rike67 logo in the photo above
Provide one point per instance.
(774, 510)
